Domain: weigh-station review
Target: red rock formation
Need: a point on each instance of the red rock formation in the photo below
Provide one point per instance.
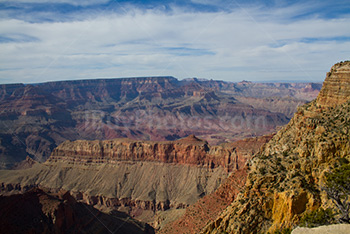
(336, 87)
(207, 208)
(189, 150)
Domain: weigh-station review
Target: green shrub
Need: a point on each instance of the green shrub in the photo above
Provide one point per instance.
(343, 161)
(338, 190)
(262, 170)
(317, 218)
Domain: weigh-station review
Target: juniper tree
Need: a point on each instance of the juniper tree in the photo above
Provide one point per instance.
(338, 190)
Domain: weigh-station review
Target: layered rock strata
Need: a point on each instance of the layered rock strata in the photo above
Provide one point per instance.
(188, 151)
(141, 178)
(336, 87)
(34, 119)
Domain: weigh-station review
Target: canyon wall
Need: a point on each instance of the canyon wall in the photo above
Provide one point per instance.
(37, 118)
(286, 176)
(187, 151)
(208, 207)
(140, 178)
(336, 87)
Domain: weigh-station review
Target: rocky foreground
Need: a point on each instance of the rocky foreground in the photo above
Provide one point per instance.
(286, 176)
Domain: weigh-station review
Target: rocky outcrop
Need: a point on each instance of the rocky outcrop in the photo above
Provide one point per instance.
(37, 211)
(27, 163)
(336, 87)
(286, 176)
(188, 151)
(32, 122)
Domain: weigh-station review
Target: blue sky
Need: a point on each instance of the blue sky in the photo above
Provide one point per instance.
(224, 40)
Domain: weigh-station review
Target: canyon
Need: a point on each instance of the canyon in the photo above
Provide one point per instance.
(173, 156)
(36, 118)
(151, 181)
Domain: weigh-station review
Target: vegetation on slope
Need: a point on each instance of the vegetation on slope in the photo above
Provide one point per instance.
(286, 177)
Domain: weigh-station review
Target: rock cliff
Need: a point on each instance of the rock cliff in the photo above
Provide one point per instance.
(208, 207)
(336, 87)
(188, 151)
(286, 176)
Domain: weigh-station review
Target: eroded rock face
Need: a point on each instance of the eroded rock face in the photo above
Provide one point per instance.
(207, 208)
(336, 87)
(131, 187)
(137, 177)
(34, 119)
(188, 151)
(286, 176)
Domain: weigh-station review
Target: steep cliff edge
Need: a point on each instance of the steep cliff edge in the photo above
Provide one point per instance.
(336, 87)
(188, 151)
(286, 176)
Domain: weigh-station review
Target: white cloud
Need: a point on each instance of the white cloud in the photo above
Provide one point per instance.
(72, 2)
(243, 44)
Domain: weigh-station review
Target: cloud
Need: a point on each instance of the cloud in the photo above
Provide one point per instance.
(71, 2)
(244, 43)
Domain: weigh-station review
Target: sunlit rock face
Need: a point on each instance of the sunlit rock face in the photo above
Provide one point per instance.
(336, 87)
(285, 178)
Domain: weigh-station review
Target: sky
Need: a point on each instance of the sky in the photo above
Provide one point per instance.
(231, 40)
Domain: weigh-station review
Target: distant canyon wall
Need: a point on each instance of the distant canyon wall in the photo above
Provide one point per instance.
(34, 119)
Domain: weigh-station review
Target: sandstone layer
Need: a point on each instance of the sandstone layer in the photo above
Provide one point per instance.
(188, 151)
(336, 87)
(286, 176)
